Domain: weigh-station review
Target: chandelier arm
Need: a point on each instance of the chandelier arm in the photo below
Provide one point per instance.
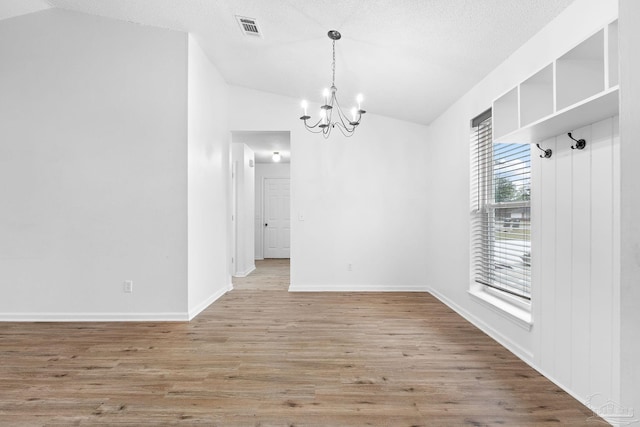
(312, 126)
(312, 130)
(346, 126)
(326, 131)
(345, 131)
(343, 118)
(329, 112)
(340, 113)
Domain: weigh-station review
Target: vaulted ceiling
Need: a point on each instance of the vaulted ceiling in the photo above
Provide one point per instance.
(410, 58)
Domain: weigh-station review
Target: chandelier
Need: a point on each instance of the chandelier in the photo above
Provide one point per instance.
(326, 122)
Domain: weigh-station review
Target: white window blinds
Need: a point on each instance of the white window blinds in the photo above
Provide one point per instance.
(500, 211)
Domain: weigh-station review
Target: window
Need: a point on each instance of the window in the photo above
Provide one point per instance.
(500, 212)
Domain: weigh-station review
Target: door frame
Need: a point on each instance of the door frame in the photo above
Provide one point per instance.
(234, 216)
(262, 209)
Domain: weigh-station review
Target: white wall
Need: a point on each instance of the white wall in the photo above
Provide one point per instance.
(630, 204)
(560, 343)
(242, 156)
(93, 166)
(208, 182)
(265, 170)
(363, 198)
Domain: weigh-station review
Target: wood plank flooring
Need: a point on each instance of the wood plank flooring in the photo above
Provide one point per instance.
(261, 356)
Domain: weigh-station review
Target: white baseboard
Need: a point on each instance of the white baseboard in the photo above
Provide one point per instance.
(356, 288)
(94, 317)
(245, 273)
(206, 303)
(601, 411)
(520, 352)
(115, 317)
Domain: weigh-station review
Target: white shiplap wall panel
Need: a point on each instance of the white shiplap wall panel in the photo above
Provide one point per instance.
(602, 241)
(563, 263)
(614, 332)
(578, 255)
(544, 196)
(580, 260)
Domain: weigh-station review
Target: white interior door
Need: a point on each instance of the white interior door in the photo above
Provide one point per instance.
(277, 218)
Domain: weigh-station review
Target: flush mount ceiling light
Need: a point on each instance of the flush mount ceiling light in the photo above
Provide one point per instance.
(276, 156)
(326, 123)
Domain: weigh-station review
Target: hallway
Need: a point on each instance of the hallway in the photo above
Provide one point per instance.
(269, 275)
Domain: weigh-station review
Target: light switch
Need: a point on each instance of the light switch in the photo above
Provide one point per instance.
(128, 286)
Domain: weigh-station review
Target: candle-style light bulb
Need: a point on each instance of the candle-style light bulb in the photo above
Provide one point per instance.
(325, 93)
(323, 116)
(354, 112)
(304, 105)
(359, 99)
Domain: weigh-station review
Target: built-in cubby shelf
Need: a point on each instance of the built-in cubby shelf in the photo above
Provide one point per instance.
(578, 88)
(505, 113)
(536, 94)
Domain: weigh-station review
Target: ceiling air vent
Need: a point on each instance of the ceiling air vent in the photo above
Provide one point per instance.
(249, 26)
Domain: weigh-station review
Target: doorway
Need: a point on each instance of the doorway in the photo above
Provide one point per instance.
(277, 218)
(273, 240)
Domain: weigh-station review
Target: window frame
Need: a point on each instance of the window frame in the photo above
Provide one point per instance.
(483, 208)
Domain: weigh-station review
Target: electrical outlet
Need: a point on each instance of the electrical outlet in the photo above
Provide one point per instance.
(128, 286)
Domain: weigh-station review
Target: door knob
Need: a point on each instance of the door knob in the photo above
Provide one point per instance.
(266, 224)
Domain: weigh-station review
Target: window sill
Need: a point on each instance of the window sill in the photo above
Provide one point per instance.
(518, 315)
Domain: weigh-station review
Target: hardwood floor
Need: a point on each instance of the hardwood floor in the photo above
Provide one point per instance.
(261, 356)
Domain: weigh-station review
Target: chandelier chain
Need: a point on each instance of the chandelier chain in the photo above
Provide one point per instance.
(333, 66)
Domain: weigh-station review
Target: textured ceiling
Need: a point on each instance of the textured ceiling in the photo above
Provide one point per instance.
(410, 58)
(11, 8)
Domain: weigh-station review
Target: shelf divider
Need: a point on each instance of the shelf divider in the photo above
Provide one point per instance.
(536, 96)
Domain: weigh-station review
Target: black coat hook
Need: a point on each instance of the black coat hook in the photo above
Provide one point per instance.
(547, 152)
(580, 143)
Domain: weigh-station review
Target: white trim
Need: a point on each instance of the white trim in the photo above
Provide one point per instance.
(262, 214)
(206, 303)
(510, 311)
(564, 387)
(367, 287)
(520, 352)
(261, 227)
(613, 420)
(115, 317)
(245, 273)
(94, 317)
